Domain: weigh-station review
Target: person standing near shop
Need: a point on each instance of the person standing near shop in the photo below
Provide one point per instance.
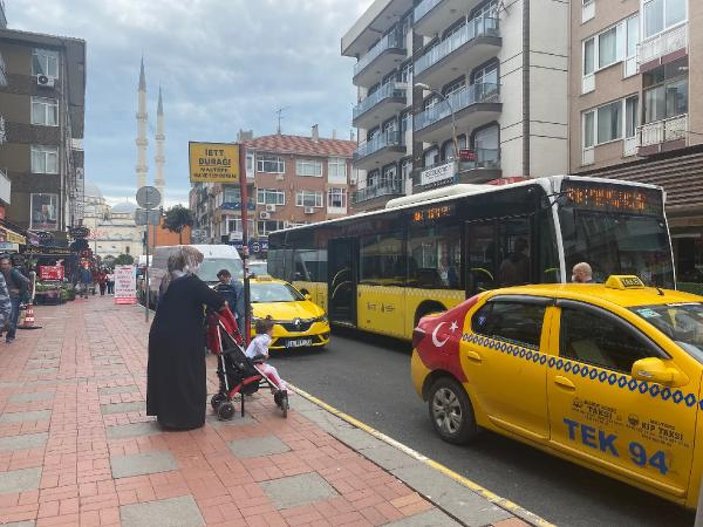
(17, 286)
(85, 277)
(102, 281)
(110, 282)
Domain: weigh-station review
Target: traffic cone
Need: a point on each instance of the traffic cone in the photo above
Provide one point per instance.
(28, 319)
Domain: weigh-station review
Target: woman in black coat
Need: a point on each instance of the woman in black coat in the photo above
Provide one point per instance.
(176, 385)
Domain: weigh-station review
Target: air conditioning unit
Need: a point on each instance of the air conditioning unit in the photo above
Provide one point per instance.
(309, 210)
(45, 80)
(264, 215)
(280, 177)
(270, 208)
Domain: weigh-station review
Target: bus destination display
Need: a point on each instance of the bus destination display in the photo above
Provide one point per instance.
(613, 198)
(431, 214)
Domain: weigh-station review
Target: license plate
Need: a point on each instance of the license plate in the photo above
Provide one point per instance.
(300, 343)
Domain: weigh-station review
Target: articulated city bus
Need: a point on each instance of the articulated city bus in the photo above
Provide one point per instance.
(381, 271)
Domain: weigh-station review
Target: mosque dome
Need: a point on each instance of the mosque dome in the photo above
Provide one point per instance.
(125, 207)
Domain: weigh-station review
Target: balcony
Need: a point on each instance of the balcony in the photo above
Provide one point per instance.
(663, 136)
(484, 167)
(434, 16)
(664, 48)
(475, 43)
(473, 106)
(380, 106)
(380, 59)
(381, 150)
(385, 189)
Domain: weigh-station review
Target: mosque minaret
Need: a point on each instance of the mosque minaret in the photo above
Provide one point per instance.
(160, 158)
(142, 119)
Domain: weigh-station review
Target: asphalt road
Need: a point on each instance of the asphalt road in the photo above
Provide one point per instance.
(368, 378)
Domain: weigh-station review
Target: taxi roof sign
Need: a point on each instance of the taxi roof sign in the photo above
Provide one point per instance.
(624, 282)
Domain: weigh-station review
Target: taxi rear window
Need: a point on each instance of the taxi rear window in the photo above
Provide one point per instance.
(681, 322)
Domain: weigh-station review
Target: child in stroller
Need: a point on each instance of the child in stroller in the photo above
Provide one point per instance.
(237, 373)
(258, 352)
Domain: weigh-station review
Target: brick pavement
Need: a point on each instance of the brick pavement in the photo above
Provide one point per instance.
(76, 447)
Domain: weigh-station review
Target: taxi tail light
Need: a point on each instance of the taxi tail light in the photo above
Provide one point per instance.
(418, 336)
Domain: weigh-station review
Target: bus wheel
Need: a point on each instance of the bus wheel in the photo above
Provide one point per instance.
(427, 309)
(451, 412)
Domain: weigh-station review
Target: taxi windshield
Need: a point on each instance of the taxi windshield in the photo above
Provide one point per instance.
(274, 292)
(682, 323)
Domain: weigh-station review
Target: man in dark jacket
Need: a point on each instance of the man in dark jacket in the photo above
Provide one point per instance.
(233, 293)
(17, 286)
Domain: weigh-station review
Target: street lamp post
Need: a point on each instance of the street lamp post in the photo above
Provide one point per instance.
(427, 87)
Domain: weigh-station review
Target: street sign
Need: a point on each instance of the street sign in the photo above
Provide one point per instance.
(214, 162)
(148, 197)
(147, 217)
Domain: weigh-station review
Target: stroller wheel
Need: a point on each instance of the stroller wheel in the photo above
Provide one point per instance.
(225, 411)
(284, 403)
(217, 399)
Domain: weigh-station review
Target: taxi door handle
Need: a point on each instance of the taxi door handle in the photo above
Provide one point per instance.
(473, 356)
(564, 383)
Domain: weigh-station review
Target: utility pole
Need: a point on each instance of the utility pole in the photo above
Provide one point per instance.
(279, 113)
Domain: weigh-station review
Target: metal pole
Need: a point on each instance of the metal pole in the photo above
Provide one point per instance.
(245, 238)
(146, 270)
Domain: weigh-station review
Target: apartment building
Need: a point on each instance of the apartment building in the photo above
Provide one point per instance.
(292, 180)
(42, 97)
(633, 64)
(457, 91)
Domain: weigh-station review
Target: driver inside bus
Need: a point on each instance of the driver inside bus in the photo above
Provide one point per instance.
(515, 269)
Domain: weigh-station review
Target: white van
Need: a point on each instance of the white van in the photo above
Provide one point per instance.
(216, 257)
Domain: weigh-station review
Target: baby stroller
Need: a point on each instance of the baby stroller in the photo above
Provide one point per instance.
(237, 373)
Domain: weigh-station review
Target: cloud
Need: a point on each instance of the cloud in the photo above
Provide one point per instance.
(223, 65)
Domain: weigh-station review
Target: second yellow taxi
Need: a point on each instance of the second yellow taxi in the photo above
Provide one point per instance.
(299, 323)
(606, 375)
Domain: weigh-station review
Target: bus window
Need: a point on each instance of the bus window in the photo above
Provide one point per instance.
(480, 257)
(434, 258)
(514, 247)
(382, 261)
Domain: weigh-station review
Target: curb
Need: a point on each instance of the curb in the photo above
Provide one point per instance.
(503, 503)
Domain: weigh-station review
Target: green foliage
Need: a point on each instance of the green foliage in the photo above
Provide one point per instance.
(124, 259)
(178, 218)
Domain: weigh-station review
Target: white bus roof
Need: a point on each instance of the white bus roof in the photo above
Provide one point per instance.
(548, 183)
(209, 251)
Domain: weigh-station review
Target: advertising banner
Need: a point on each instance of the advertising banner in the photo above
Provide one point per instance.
(214, 162)
(51, 272)
(125, 285)
(437, 174)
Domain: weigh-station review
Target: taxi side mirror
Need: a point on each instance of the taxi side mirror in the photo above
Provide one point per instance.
(653, 369)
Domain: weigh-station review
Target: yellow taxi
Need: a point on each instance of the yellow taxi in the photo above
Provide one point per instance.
(604, 375)
(298, 322)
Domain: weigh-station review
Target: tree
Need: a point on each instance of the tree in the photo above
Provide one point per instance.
(178, 218)
(124, 259)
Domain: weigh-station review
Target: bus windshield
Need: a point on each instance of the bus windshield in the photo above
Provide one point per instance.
(618, 244)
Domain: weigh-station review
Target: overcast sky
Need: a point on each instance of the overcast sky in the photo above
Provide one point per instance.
(223, 65)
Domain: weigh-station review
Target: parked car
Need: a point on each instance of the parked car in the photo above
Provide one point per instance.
(605, 375)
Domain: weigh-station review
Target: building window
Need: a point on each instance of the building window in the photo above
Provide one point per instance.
(45, 62)
(266, 196)
(307, 198)
(372, 177)
(607, 48)
(631, 115)
(337, 198)
(45, 111)
(45, 212)
(660, 15)
(589, 56)
(666, 91)
(232, 195)
(431, 157)
(250, 165)
(388, 176)
(235, 225)
(610, 122)
(45, 159)
(611, 46)
(270, 164)
(337, 170)
(269, 226)
(308, 167)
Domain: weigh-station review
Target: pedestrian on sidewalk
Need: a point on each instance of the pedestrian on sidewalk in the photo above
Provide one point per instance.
(5, 305)
(17, 286)
(233, 292)
(85, 278)
(176, 381)
(110, 282)
(102, 281)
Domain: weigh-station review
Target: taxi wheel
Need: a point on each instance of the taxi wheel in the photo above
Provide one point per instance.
(451, 412)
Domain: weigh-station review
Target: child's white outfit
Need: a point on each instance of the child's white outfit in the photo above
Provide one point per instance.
(259, 349)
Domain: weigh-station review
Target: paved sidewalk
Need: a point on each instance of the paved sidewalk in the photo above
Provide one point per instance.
(76, 447)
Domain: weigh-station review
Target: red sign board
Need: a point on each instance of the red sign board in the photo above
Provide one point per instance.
(467, 155)
(51, 272)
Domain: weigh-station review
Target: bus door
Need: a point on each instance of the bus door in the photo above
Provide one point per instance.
(342, 255)
(498, 254)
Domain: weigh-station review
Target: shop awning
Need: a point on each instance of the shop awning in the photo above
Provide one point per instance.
(10, 236)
